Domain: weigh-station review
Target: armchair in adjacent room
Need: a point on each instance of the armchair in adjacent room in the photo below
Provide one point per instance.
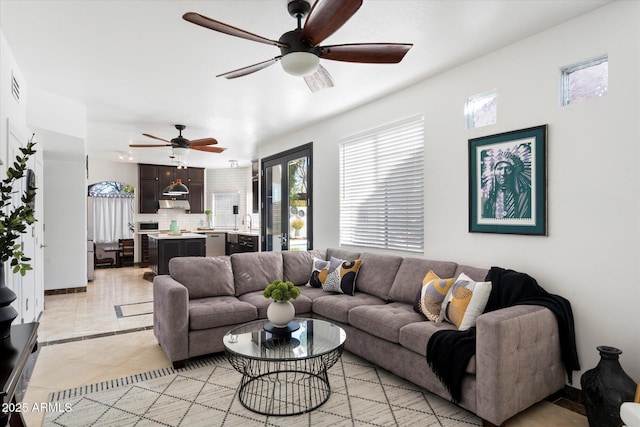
(100, 260)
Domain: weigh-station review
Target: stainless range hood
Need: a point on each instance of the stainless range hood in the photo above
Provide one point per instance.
(174, 204)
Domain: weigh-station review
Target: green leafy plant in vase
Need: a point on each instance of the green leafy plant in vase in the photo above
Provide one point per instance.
(281, 311)
(14, 219)
(209, 223)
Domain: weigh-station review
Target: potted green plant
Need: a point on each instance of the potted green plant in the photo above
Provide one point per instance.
(14, 219)
(207, 212)
(280, 312)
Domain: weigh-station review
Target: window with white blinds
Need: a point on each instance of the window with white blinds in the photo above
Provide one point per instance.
(382, 187)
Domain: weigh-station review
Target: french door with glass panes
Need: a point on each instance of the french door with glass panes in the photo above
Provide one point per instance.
(286, 200)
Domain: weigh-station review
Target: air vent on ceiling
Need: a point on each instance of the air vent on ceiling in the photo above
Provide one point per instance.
(15, 87)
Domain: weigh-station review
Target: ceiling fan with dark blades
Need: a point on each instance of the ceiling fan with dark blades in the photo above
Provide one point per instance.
(300, 50)
(180, 145)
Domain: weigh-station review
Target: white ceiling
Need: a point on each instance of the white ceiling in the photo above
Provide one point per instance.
(138, 67)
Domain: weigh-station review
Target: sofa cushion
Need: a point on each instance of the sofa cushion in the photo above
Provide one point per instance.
(302, 304)
(377, 274)
(203, 276)
(465, 301)
(254, 271)
(384, 321)
(336, 307)
(408, 280)
(312, 293)
(414, 336)
(213, 312)
(296, 265)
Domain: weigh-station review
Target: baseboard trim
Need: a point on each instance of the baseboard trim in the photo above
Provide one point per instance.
(65, 291)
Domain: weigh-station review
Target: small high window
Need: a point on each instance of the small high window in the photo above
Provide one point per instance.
(481, 110)
(586, 80)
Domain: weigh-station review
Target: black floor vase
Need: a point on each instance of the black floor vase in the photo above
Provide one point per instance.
(605, 387)
(7, 312)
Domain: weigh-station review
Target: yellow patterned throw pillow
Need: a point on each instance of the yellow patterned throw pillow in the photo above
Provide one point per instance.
(319, 273)
(342, 276)
(335, 275)
(465, 301)
(432, 293)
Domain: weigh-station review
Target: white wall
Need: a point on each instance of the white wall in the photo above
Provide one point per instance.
(591, 255)
(100, 170)
(10, 108)
(60, 126)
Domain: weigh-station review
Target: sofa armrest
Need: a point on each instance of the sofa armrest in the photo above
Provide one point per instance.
(518, 360)
(171, 317)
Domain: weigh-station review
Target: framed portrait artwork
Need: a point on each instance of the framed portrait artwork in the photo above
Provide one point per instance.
(508, 182)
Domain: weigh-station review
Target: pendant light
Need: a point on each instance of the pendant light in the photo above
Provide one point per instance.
(175, 189)
(178, 188)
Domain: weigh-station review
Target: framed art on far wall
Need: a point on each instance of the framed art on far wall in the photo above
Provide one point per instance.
(508, 182)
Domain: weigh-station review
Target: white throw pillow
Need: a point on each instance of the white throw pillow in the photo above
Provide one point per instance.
(465, 301)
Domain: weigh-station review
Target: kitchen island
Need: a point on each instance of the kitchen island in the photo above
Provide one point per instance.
(164, 246)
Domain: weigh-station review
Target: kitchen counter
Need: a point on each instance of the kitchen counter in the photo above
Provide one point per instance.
(244, 233)
(162, 236)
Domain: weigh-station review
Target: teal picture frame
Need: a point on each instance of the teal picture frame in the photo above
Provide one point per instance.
(508, 182)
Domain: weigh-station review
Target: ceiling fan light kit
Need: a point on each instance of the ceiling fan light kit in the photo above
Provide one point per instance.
(180, 151)
(300, 63)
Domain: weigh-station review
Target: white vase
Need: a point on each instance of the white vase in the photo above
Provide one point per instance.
(280, 313)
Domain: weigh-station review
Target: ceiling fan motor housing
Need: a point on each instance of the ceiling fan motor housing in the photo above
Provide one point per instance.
(294, 42)
(179, 140)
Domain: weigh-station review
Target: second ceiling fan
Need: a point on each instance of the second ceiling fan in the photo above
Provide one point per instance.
(300, 48)
(180, 145)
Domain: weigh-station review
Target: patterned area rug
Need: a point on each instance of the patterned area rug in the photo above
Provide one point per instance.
(204, 393)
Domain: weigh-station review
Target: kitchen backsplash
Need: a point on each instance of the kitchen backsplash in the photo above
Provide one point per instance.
(186, 221)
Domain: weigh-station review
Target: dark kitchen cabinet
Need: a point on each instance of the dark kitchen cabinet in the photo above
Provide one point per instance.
(241, 243)
(148, 188)
(162, 250)
(248, 243)
(153, 179)
(254, 186)
(195, 183)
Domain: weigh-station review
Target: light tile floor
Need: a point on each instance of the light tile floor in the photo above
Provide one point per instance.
(122, 353)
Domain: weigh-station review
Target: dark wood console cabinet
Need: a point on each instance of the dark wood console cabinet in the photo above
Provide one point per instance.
(14, 354)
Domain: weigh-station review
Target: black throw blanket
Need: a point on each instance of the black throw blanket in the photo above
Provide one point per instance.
(449, 351)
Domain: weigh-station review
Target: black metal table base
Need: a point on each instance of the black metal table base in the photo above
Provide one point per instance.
(284, 387)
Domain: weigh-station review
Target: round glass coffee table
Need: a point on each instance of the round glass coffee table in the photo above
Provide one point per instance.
(284, 373)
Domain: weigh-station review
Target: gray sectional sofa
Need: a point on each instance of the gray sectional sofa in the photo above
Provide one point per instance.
(517, 360)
